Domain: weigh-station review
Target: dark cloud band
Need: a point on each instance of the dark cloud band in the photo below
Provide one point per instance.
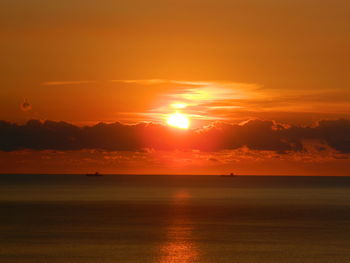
(254, 134)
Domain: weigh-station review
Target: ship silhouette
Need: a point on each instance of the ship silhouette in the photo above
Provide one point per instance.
(231, 175)
(94, 174)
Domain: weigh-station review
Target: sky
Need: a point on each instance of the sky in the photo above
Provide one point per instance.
(90, 85)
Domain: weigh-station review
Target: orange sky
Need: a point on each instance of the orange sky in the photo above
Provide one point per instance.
(85, 62)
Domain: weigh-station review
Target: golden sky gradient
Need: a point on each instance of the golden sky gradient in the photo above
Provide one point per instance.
(86, 62)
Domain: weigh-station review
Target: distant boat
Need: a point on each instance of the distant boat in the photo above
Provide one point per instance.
(94, 174)
(231, 175)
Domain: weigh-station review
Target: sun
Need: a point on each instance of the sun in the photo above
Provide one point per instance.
(178, 120)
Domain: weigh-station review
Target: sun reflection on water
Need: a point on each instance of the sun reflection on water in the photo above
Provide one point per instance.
(179, 246)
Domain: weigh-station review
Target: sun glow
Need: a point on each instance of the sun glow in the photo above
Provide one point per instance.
(178, 120)
(179, 105)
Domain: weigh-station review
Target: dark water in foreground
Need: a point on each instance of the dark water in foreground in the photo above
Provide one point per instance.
(171, 219)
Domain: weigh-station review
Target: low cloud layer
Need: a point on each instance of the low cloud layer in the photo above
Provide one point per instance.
(254, 134)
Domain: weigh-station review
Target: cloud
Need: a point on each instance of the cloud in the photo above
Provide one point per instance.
(162, 81)
(63, 83)
(199, 96)
(206, 100)
(258, 135)
(26, 106)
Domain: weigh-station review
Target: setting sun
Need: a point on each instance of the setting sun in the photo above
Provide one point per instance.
(178, 120)
(175, 131)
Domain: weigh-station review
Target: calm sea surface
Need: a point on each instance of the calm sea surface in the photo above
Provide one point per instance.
(174, 219)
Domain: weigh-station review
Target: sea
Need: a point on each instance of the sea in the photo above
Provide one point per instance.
(75, 218)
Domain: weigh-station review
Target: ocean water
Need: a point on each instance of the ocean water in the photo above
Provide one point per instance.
(174, 219)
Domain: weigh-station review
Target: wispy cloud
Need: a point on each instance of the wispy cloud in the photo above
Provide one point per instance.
(161, 81)
(63, 83)
(209, 100)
